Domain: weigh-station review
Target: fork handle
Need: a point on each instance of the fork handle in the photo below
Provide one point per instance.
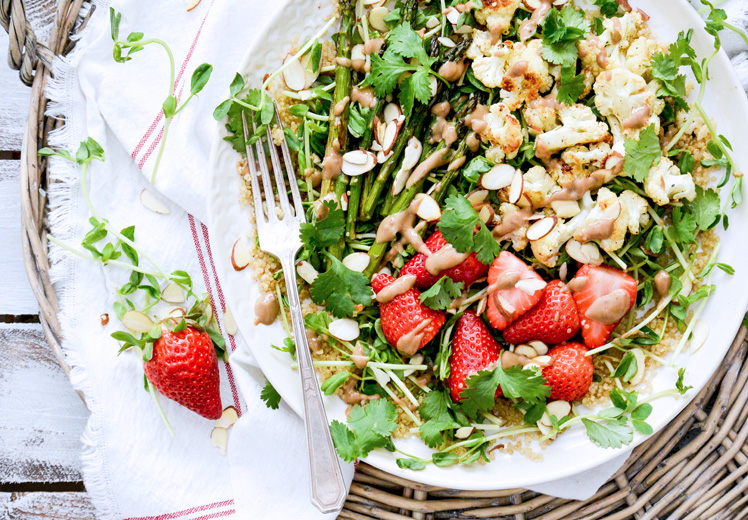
(328, 487)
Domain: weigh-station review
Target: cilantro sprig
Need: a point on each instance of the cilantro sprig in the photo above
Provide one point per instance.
(457, 223)
(369, 427)
(441, 295)
(642, 154)
(562, 29)
(340, 289)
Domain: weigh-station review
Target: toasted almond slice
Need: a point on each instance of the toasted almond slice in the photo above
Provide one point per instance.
(344, 329)
(357, 52)
(517, 187)
(530, 285)
(587, 253)
(241, 255)
(506, 307)
(545, 430)
(432, 22)
(526, 350)
(375, 146)
(172, 293)
(558, 409)
(486, 214)
(541, 228)
(428, 208)
(401, 178)
(640, 367)
(177, 312)
(433, 85)
(391, 112)
(477, 196)
(357, 262)
(543, 361)
(374, 3)
(453, 15)
(540, 348)
(153, 203)
(209, 315)
(498, 177)
(228, 418)
(390, 134)
(699, 334)
(482, 304)
(612, 212)
(376, 18)
(412, 153)
(219, 438)
(309, 76)
(306, 271)
(136, 321)
(191, 4)
(464, 432)
(415, 360)
(531, 4)
(446, 41)
(379, 128)
(229, 322)
(382, 157)
(566, 208)
(380, 375)
(353, 165)
(294, 74)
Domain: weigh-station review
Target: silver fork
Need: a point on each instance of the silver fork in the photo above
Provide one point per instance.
(279, 236)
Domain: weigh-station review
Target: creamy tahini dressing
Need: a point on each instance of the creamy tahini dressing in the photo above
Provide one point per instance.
(432, 162)
(266, 309)
(506, 280)
(409, 343)
(512, 222)
(576, 189)
(609, 309)
(456, 164)
(365, 96)
(518, 69)
(577, 283)
(475, 120)
(359, 357)
(332, 164)
(453, 70)
(340, 106)
(402, 223)
(350, 395)
(538, 16)
(639, 117)
(373, 46)
(446, 258)
(396, 288)
(662, 283)
(314, 341)
(510, 359)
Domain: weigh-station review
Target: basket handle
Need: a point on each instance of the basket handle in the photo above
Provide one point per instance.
(24, 51)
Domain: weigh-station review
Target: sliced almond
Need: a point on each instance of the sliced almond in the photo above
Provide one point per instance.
(614, 162)
(344, 329)
(391, 112)
(526, 350)
(477, 196)
(486, 214)
(209, 315)
(241, 255)
(357, 261)
(530, 285)
(309, 76)
(390, 134)
(699, 334)
(219, 438)
(153, 203)
(357, 52)
(566, 208)
(376, 18)
(229, 322)
(541, 228)
(172, 293)
(136, 321)
(587, 253)
(545, 430)
(464, 432)
(382, 157)
(498, 177)
(482, 304)
(380, 375)
(358, 162)
(543, 361)
(228, 418)
(453, 15)
(640, 367)
(379, 128)
(177, 312)
(374, 3)
(294, 74)
(306, 271)
(401, 178)
(612, 212)
(412, 153)
(531, 4)
(505, 307)
(432, 22)
(433, 85)
(559, 409)
(375, 146)
(415, 360)
(446, 41)
(540, 348)
(191, 4)
(517, 187)
(428, 208)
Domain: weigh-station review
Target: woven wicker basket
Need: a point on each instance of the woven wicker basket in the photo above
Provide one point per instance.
(694, 469)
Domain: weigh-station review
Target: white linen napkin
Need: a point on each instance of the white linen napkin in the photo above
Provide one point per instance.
(132, 469)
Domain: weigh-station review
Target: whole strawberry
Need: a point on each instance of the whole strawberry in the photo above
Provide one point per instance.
(407, 324)
(467, 272)
(554, 319)
(570, 373)
(184, 368)
(473, 349)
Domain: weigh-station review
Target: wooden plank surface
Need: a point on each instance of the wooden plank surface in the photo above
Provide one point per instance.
(56, 506)
(18, 297)
(42, 417)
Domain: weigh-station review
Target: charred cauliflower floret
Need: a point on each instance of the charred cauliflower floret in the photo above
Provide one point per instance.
(527, 75)
(503, 132)
(579, 126)
(519, 235)
(639, 56)
(497, 14)
(546, 249)
(628, 102)
(696, 128)
(665, 183)
(538, 186)
(540, 116)
(619, 34)
(611, 217)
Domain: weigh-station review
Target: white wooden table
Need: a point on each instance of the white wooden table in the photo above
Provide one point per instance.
(41, 416)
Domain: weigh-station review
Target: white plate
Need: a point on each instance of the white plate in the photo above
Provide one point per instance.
(572, 452)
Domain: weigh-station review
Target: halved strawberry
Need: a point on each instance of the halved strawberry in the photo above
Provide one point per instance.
(570, 373)
(404, 317)
(511, 299)
(553, 320)
(603, 295)
(473, 350)
(470, 270)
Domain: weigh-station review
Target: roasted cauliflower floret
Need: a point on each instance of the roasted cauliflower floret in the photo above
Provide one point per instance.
(579, 126)
(489, 59)
(639, 56)
(541, 116)
(482, 45)
(538, 186)
(620, 33)
(527, 75)
(502, 132)
(497, 14)
(665, 183)
(696, 127)
(611, 217)
(628, 102)
(519, 235)
(546, 249)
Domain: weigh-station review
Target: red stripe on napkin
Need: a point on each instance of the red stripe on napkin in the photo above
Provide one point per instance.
(184, 512)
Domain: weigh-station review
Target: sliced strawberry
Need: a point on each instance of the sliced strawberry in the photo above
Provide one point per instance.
(473, 350)
(404, 315)
(553, 320)
(570, 373)
(470, 270)
(603, 295)
(508, 301)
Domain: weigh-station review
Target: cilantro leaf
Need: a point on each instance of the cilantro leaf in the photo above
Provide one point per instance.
(385, 71)
(571, 86)
(485, 245)
(609, 434)
(435, 409)
(705, 208)
(684, 226)
(475, 168)
(340, 289)
(326, 232)
(607, 7)
(441, 295)
(270, 395)
(369, 427)
(642, 154)
(561, 30)
(407, 43)
(458, 221)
